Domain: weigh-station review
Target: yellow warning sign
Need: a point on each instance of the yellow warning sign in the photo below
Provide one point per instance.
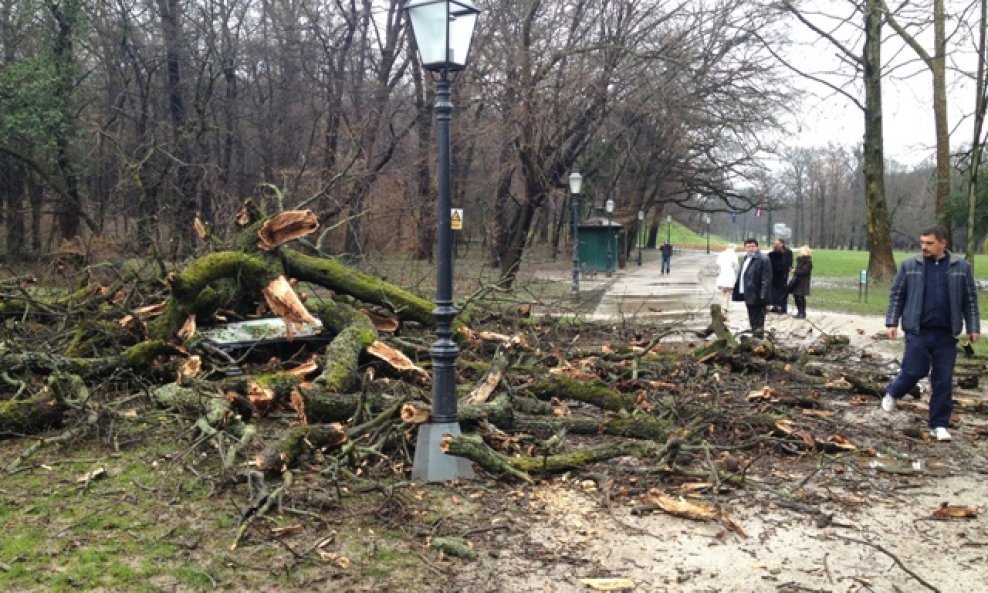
(456, 219)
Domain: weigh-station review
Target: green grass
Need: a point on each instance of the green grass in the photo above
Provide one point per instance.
(836, 285)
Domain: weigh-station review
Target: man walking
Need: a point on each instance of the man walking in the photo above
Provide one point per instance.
(934, 295)
(666, 250)
(754, 285)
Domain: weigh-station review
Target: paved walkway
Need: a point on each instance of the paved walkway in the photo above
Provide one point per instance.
(685, 295)
(644, 292)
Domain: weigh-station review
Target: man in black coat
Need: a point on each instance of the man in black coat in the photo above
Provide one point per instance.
(753, 285)
(781, 259)
(666, 250)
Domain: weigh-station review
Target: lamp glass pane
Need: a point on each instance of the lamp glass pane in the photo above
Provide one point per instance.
(460, 34)
(429, 27)
(575, 182)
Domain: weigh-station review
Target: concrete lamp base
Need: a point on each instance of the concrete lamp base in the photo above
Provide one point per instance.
(431, 464)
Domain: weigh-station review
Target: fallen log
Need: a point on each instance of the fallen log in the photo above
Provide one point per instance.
(323, 407)
(30, 416)
(342, 359)
(139, 357)
(497, 412)
(473, 448)
(637, 426)
(299, 440)
(198, 290)
(594, 392)
(330, 273)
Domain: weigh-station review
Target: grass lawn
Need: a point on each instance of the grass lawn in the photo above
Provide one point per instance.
(836, 285)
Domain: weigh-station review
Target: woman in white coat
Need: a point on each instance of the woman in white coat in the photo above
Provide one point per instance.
(727, 264)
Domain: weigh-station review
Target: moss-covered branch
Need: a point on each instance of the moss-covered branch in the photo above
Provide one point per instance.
(594, 392)
(334, 275)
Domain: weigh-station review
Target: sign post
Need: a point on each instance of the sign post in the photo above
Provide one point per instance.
(456, 225)
(863, 285)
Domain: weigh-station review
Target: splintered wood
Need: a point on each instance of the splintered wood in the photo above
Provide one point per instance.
(284, 227)
(284, 302)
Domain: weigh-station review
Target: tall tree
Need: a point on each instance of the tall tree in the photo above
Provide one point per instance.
(978, 141)
(866, 64)
(936, 63)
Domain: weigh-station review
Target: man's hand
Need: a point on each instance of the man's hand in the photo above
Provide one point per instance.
(974, 337)
(891, 332)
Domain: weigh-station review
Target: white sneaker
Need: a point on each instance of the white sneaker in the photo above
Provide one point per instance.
(888, 403)
(940, 433)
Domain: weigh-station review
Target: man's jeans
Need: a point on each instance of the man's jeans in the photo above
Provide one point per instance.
(930, 348)
(665, 264)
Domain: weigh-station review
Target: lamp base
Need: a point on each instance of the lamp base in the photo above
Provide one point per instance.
(431, 464)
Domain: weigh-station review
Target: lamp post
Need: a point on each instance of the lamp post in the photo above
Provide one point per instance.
(575, 184)
(707, 220)
(609, 208)
(443, 30)
(641, 222)
(669, 228)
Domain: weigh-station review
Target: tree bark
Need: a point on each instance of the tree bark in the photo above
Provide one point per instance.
(881, 263)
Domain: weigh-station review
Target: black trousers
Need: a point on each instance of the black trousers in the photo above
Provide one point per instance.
(780, 292)
(800, 305)
(756, 318)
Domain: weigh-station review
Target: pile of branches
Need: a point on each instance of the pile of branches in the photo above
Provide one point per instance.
(538, 397)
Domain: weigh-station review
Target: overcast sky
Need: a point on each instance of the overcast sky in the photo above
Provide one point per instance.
(907, 102)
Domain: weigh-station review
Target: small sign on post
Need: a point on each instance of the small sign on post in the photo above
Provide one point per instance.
(863, 285)
(456, 219)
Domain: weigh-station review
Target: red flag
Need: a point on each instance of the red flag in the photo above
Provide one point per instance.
(759, 212)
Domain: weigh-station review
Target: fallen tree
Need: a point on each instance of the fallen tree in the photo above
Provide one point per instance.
(538, 399)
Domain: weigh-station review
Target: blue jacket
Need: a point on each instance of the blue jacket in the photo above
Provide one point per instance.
(906, 296)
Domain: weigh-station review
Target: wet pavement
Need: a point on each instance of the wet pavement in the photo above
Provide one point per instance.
(643, 292)
(684, 296)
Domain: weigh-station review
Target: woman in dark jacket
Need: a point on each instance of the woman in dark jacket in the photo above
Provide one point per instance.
(799, 285)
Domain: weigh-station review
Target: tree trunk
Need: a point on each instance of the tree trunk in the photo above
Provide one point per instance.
(938, 68)
(881, 263)
(977, 144)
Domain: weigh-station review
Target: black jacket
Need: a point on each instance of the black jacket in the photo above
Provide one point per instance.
(800, 283)
(757, 281)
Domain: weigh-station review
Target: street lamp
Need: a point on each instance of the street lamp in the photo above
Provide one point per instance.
(641, 222)
(609, 208)
(669, 228)
(707, 220)
(575, 184)
(443, 30)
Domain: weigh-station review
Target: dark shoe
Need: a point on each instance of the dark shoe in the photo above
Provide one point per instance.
(801, 316)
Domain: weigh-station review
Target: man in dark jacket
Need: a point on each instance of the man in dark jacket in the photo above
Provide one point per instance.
(934, 296)
(781, 260)
(754, 285)
(666, 250)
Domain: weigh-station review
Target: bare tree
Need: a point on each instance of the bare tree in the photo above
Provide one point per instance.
(936, 63)
(864, 63)
(978, 141)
